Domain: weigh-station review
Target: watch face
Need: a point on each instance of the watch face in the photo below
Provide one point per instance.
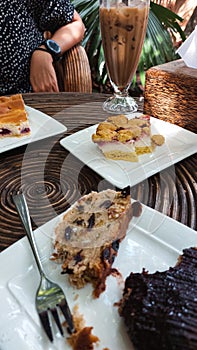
(53, 46)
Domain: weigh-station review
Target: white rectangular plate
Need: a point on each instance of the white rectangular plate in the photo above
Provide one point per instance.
(42, 126)
(153, 242)
(179, 144)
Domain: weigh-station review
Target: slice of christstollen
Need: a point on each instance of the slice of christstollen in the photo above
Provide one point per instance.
(88, 237)
(13, 116)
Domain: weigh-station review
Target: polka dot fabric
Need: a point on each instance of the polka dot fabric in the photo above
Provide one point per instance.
(22, 23)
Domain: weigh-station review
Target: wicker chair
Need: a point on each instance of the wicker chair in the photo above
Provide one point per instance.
(73, 71)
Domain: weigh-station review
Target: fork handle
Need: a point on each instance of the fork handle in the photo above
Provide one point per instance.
(23, 211)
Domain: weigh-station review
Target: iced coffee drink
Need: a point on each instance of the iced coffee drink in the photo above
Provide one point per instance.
(123, 30)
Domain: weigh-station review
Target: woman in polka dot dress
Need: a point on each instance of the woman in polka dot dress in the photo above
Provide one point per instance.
(26, 58)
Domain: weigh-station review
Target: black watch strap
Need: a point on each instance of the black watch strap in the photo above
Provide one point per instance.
(48, 46)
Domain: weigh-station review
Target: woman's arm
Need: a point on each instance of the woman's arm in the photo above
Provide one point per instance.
(70, 34)
(42, 73)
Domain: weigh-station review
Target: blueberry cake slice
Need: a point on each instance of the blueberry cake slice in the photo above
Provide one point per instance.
(120, 138)
(160, 309)
(88, 237)
(13, 116)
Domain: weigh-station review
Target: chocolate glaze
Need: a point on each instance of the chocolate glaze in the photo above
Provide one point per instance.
(160, 309)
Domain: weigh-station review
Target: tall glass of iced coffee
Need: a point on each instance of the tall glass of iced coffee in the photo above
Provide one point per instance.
(123, 27)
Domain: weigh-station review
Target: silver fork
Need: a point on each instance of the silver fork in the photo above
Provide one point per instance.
(49, 295)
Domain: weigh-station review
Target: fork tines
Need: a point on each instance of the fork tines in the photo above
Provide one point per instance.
(45, 320)
(57, 320)
(67, 314)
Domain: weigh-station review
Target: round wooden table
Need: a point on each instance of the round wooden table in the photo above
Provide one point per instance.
(52, 178)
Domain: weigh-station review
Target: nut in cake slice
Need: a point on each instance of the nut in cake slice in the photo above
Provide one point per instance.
(13, 116)
(88, 237)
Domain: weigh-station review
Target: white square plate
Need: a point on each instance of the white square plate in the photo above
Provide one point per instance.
(153, 242)
(179, 144)
(42, 126)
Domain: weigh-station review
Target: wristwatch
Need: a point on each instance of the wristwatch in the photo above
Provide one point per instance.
(53, 48)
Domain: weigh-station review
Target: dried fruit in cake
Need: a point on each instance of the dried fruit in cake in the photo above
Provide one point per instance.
(88, 237)
(160, 309)
(120, 138)
(13, 116)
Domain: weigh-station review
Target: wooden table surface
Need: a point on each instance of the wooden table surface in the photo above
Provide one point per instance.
(52, 178)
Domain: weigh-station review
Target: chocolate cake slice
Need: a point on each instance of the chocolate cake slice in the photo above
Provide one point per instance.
(160, 309)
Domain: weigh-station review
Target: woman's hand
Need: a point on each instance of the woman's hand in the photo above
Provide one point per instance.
(42, 73)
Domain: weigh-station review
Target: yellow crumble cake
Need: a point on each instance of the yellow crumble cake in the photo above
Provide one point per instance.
(120, 138)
